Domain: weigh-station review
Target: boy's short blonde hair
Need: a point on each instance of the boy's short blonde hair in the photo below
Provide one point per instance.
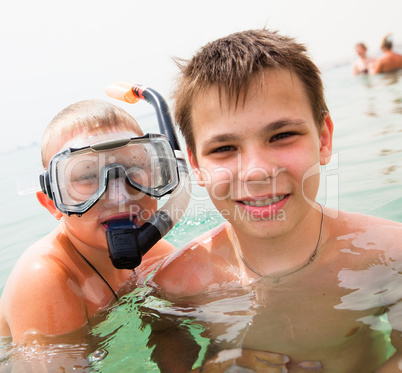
(92, 117)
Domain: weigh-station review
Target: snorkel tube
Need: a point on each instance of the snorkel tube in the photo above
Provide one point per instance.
(127, 242)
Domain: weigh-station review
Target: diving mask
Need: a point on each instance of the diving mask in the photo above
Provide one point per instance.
(78, 176)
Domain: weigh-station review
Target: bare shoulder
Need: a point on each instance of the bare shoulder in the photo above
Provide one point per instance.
(153, 259)
(160, 250)
(367, 232)
(39, 287)
(38, 264)
(44, 259)
(201, 247)
(194, 267)
(355, 221)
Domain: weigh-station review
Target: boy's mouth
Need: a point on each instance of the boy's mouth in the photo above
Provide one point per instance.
(263, 202)
(131, 217)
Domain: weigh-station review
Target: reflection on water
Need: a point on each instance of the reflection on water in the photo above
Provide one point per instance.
(130, 336)
(52, 357)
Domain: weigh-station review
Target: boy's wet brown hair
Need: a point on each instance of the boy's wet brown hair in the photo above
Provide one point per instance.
(231, 62)
(92, 117)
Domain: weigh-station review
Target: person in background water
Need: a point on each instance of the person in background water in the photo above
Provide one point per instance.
(324, 285)
(64, 279)
(389, 61)
(362, 64)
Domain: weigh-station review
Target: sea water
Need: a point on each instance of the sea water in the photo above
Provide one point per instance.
(364, 175)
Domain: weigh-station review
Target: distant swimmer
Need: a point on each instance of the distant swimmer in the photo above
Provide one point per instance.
(389, 60)
(361, 65)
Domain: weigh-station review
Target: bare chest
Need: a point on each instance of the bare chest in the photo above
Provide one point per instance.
(303, 322)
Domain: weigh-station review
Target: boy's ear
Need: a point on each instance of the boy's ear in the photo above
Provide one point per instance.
(196, 169)
(326, 140)
(46, 202)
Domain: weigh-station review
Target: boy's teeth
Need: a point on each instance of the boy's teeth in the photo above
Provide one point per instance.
(264, 202)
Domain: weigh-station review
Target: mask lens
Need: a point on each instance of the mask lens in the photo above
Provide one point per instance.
(153, 168)
(78, 178)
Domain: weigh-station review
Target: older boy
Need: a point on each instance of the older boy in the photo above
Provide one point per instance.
(64, 279)
(323, 285)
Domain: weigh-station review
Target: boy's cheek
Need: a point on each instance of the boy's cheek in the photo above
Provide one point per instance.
(310, 187)
(79, 228)
(220, 188)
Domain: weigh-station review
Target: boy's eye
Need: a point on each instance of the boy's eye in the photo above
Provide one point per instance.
(223, 149)
(85, 179)
(282, 135)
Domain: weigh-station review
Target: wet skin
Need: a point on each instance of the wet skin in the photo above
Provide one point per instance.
(52, 290)
(328, 311)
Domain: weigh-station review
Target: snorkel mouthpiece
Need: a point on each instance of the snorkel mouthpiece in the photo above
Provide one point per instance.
(121, 240)
(127, 242)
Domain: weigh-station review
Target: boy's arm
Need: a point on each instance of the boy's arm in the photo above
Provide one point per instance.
(188, 273)
(153, 259)
(375, 67)
(355, 69)
(160, 250)
(42, 297)
(196, 266)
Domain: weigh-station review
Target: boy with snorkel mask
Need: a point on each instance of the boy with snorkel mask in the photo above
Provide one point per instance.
(102, 176)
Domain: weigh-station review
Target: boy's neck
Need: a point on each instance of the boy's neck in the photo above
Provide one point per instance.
(286, 254)
(98, 257)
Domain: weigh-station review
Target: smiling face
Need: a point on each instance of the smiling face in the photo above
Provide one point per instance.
(120, 200)
(260, 161)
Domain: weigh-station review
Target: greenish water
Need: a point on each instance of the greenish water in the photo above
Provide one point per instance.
(365, 175)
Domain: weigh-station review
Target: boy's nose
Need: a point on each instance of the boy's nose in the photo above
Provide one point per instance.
(117, 191)
(256, 166)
